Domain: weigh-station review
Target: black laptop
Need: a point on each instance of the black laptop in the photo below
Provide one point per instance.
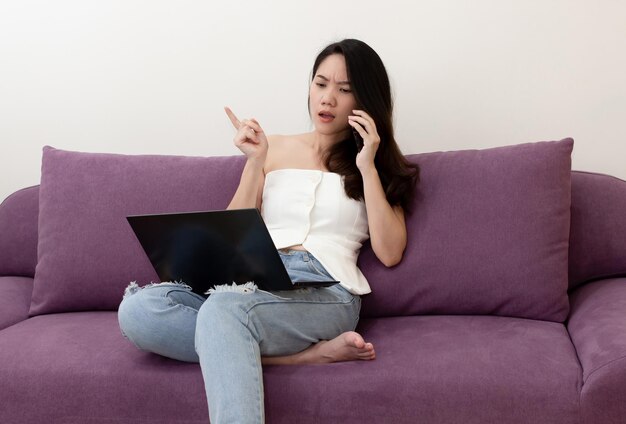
(205, 249)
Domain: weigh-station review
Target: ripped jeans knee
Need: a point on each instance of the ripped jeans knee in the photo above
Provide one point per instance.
(248, 287)
(133, 287)
(161, 318)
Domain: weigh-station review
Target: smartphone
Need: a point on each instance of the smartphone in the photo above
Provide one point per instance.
(357, 139)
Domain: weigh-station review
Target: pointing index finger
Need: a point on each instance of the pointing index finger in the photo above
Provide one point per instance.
(232, 117)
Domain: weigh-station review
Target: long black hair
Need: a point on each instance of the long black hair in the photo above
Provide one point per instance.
(369, 83)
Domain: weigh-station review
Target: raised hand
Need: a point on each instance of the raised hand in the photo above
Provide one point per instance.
(366, 127)
(250, 138)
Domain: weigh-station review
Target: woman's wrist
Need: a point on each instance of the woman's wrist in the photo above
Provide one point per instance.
(368, 171)
(255, 163)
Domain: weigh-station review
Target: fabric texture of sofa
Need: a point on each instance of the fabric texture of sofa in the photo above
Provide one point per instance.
(509, 305)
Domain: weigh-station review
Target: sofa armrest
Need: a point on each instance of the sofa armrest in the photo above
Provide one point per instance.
(597, 327)
(15, 294)
(19, 214)
(597, 240)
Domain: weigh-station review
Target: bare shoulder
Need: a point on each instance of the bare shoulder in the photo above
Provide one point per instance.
(274, 144)
(274, 148)
(284, 151)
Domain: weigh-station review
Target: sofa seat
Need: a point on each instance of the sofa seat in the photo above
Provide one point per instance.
(441, 369)
(470, 369)
(79, 361)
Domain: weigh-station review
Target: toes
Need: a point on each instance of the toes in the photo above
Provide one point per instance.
(367, 356)
(352, 339)
(355, 339)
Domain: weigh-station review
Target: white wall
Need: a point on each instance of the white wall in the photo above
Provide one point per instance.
(145, 76)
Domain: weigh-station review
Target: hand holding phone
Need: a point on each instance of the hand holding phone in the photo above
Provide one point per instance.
(358, 139)
(364, 132)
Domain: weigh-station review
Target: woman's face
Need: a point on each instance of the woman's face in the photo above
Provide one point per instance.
(330, 97)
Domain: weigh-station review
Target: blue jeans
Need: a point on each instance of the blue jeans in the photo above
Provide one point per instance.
(228, 332)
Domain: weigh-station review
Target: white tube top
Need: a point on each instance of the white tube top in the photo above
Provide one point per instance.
(310, 207)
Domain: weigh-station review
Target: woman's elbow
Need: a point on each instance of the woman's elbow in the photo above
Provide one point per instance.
(390, 254)
(391, 259)
(393, 262)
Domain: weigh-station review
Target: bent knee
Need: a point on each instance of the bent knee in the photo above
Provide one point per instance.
(138, 314)
(223, 306)
(129, 315)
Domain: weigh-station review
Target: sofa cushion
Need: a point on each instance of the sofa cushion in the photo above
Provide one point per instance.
(87, 252)
(18, 229)
(488, 235)
(77, 368)
(464, 369)
(598, 233)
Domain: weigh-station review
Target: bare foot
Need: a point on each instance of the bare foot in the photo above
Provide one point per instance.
(348, 346)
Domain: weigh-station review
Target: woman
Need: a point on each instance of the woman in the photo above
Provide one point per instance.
(321, 194)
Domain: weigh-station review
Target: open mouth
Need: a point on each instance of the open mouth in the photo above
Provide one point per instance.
(326, 117)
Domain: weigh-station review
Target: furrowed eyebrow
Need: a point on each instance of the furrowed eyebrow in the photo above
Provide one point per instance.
(326, 79)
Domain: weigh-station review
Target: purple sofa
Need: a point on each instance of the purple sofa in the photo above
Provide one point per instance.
(508, 307)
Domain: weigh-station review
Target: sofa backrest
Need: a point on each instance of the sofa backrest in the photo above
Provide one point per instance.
(597, 245)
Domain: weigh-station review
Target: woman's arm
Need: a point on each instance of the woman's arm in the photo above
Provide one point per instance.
(386, 223)
(251, 140)
(249, 194)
